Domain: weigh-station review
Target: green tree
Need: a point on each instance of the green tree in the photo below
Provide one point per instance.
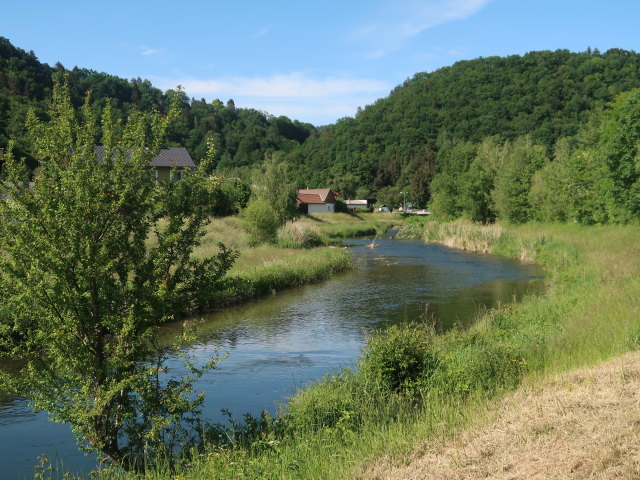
(262, 220)
(513, 181)
(621, 153)
(478, 183)
(389, 196)
(95, 256)
(453, 160)
(273, 183)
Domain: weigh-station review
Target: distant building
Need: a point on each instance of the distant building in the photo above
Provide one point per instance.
(316, 200)
(357, 204)
(170, 163)
(169, 159)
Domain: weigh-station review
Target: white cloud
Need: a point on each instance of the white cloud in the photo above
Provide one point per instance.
(141, 49)
(399, 23)
(290, 85)
(260, 33)
(296, 95)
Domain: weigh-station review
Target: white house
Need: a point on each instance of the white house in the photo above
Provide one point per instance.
(316, 200)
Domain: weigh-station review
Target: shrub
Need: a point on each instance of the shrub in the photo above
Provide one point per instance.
(481, 365)
(324, 404)
(262, 220)
(399, 358)
(341, 207)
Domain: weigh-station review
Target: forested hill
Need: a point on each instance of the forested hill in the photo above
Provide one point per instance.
(398, 144)
(243, 136)
(546, 95)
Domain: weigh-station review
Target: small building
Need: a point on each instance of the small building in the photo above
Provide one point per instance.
(357, 204)
(383, 208)
(316, 200)
(170, 163)
(172, 159)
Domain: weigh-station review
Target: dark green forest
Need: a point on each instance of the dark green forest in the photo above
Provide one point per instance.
(548, 135)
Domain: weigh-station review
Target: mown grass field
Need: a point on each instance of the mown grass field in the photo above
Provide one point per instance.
(413, 387)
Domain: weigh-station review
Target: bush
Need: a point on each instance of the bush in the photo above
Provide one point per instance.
(262, 220)
(400, 357)
(341, 207)
(483, 366)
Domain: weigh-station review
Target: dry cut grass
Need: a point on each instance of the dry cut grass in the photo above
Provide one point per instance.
(583, 424)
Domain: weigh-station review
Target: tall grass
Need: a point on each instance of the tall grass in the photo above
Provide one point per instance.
(411, 385)
(335, 226)
(293, 269)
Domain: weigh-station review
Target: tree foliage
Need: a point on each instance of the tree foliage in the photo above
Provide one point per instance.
(545, 95)
(513, 180)
(273, 183)
(262, 220)
(243, 136)
(444, 137)
(621, 153)
(95, 256)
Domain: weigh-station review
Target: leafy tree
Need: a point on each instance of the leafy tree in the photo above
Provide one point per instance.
(262, 220)
(273, 183)
(477, 185)
(234, 195)
(621, 153)
(445, 198)
(346, 184)
(453, 160)
(513, 181)
(95, 256)
(389, 196)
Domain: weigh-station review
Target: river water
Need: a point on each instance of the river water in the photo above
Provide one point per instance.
(282, 342)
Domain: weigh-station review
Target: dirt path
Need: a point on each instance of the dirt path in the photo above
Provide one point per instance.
(578, 425)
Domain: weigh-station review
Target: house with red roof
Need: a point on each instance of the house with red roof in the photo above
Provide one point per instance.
(316, 200)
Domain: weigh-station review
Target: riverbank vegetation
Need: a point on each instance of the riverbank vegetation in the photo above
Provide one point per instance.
(304, 251)
(547, 164)
(411, 385)
(96, 254)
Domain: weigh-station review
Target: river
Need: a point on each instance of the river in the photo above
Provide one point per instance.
(282, 342)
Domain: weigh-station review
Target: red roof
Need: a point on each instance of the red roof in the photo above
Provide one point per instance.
(315, 195)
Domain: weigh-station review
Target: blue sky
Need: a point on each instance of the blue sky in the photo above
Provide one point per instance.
(312, 61)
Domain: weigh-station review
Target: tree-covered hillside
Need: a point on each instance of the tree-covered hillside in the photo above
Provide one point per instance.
(481, 138)
(545, 95)
(243, 136)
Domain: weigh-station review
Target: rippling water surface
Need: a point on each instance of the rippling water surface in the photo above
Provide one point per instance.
(284, 341)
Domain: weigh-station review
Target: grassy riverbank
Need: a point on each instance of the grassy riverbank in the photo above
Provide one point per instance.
(412, 385)
(298, 257)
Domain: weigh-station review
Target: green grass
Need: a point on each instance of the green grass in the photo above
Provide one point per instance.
(333, 429)
(266, 270)
(335, 226)
(269, 268)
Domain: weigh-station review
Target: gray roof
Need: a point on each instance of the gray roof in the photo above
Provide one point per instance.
(173, 157)
(167, 157)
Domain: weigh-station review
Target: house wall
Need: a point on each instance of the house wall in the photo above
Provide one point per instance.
(321, 208)
(164, 173)
(357, 207)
